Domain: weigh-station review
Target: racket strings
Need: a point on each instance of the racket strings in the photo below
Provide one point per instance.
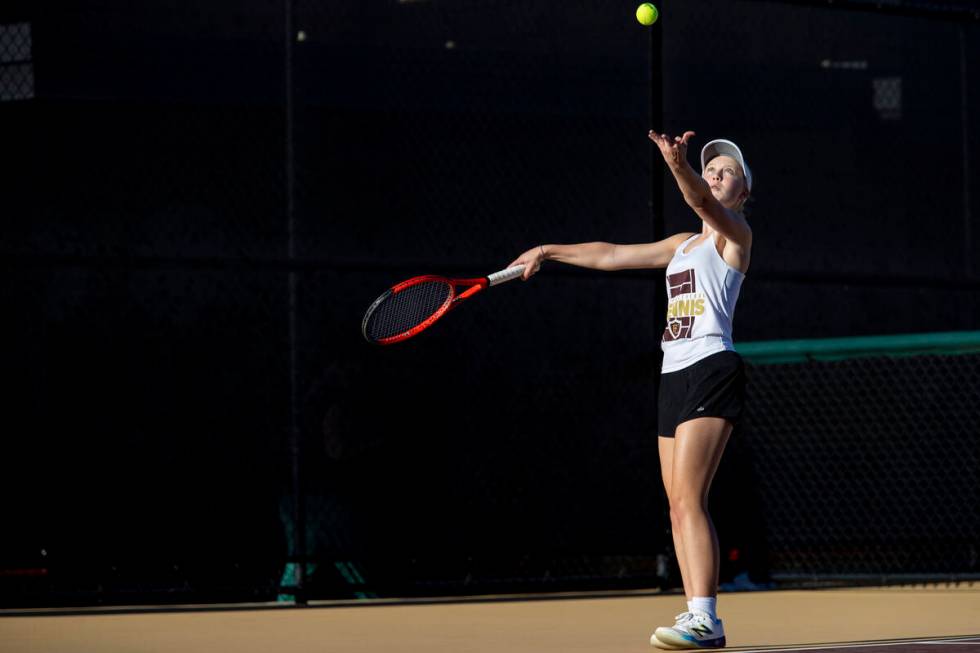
(403, 311)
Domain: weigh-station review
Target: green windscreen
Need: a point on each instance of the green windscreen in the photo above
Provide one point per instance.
(831, 349)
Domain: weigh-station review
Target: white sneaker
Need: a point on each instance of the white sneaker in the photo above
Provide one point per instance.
(678, 620)
(699, 630)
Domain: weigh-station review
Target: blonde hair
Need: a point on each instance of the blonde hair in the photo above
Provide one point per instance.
(741, 207)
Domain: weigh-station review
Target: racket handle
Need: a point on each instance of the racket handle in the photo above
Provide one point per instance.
(506, 275)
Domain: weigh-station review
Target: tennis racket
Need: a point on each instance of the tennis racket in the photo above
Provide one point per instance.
(410, 307)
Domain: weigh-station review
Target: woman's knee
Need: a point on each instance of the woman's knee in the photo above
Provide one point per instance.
(684, 505)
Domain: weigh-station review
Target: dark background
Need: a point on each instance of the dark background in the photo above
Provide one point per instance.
(197, 209)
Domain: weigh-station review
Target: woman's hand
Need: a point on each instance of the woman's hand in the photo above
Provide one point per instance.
(531, 260)
(674, 150)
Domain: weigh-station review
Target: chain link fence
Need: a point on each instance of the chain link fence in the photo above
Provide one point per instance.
(203, 201)
(16, 67)
(868, 468)
(450, 137)
(145, 362)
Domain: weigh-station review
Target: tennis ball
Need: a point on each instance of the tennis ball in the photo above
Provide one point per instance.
(647, 14)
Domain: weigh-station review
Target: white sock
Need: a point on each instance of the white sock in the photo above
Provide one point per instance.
(705, 604)
(690, 606)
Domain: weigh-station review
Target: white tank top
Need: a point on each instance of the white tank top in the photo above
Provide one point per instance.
(701, 293)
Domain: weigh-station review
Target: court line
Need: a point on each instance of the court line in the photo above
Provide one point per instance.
(965, 639)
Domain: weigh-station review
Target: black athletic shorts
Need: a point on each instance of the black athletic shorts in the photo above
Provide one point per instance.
(712, 387)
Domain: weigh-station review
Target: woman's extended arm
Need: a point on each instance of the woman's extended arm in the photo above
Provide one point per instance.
(602, 256)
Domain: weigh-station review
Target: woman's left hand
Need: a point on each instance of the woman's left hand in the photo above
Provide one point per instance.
(674, 150)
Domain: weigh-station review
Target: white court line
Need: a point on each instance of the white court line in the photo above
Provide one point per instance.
(820, 647)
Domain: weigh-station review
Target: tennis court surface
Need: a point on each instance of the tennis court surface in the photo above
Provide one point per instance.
(933, 619)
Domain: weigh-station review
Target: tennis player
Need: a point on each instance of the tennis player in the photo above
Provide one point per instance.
(702, 384)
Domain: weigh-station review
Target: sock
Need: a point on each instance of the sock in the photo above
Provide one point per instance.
(705, 604)
(690, 606)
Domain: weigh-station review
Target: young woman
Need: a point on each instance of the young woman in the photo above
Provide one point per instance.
(702, 382)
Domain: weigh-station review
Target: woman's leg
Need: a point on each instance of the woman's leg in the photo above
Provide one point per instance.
(697, 449)
(666, 448)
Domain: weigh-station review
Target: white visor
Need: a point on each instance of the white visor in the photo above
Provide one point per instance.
(719, 147)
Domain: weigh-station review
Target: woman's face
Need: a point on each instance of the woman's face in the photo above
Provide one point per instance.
(724, 175)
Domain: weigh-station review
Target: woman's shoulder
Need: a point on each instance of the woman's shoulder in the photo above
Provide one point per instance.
(734, 254)
(681, 237)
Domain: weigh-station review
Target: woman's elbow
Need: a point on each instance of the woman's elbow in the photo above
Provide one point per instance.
(608, 262)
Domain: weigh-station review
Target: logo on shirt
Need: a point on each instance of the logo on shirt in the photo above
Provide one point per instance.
(685, 304)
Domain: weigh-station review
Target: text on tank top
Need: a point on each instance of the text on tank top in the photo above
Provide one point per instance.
(702, 290)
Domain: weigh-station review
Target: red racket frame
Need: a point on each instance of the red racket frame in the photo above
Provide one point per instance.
(476, 285)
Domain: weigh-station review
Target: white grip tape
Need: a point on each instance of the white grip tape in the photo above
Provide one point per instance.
(506, 275)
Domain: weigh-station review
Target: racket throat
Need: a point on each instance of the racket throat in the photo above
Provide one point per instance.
(469, 292)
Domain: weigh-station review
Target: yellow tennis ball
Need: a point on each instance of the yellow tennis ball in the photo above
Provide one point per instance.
(647, 14)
